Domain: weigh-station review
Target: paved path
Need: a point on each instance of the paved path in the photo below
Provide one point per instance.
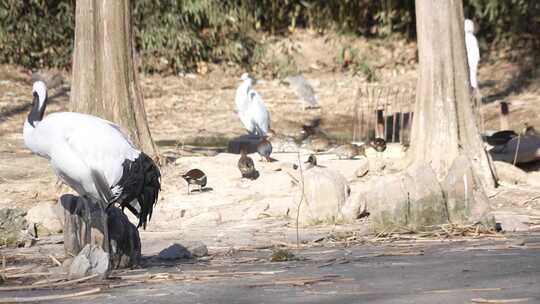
(399, 272)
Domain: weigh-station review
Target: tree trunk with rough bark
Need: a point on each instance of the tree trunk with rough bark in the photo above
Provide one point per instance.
(445, 129)
(104, 84)
(104, 76)
(450, 170)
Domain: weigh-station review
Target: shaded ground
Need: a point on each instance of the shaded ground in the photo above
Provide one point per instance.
(462, 270)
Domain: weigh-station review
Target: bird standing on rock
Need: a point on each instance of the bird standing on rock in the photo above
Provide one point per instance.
(94, 157)
(251, 108)
(246, 165)
(195, 177)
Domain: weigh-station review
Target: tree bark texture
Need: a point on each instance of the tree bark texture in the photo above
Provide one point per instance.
(104, 77)
(445, 126)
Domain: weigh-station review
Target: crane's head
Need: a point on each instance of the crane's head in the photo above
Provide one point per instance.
(39, 90)
(39, 102)
(469, 26)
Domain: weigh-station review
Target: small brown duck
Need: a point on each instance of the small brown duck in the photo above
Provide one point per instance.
(264, 148)
(195, 177)
(349, 151)
(246, 165)
(319, 143)
(529, 130)
(311, 128)
(378, 144)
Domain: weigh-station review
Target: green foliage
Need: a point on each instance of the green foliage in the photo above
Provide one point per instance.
(176, 35)
(37, 33)
(185, 32)
(350, 58)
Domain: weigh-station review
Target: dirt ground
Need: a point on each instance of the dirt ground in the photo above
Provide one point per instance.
(199, 109)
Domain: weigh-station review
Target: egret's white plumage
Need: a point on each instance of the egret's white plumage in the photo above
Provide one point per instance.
(473, 52)
(93, 156)
(251, 108)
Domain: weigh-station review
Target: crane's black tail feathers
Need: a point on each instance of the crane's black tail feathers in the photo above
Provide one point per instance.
(141, 181)
(151, 187)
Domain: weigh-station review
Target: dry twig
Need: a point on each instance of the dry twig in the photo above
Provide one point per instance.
(49, 297)
(48, 285)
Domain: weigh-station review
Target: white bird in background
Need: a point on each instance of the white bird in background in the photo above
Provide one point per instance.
(473, 53)
(251, 108)
(93, 156)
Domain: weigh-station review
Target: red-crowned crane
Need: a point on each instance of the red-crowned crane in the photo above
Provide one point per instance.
(94, 157)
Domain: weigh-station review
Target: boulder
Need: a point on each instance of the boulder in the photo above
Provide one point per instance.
(186, 250)
(533, 178)
(175, 252)
(325, 194)
(412, 198)
(90, 260)
(363, 167)
(509, 173)
(124, 240)
(47, 215)
(13, 227)
(197, 249)
(465, 203)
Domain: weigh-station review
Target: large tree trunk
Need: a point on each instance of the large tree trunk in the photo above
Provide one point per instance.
(104, 83)
(104, 75)
(445, 132)
(444, 126)
(450, 170)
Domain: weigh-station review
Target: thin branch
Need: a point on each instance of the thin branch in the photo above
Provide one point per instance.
(517, 149)
(49, 297)
(301, 199)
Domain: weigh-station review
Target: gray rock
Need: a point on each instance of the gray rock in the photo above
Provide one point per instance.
(125, 244)
(66, 264)
(91, 260)
(175, 252)
(197, 249)
(13, 227)
(325, 193)
(47, 215)
(512, 222)
(363, 167)
(509, 173)
(29, 242)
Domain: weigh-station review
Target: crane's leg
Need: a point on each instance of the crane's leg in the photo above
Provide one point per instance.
(103, 225)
